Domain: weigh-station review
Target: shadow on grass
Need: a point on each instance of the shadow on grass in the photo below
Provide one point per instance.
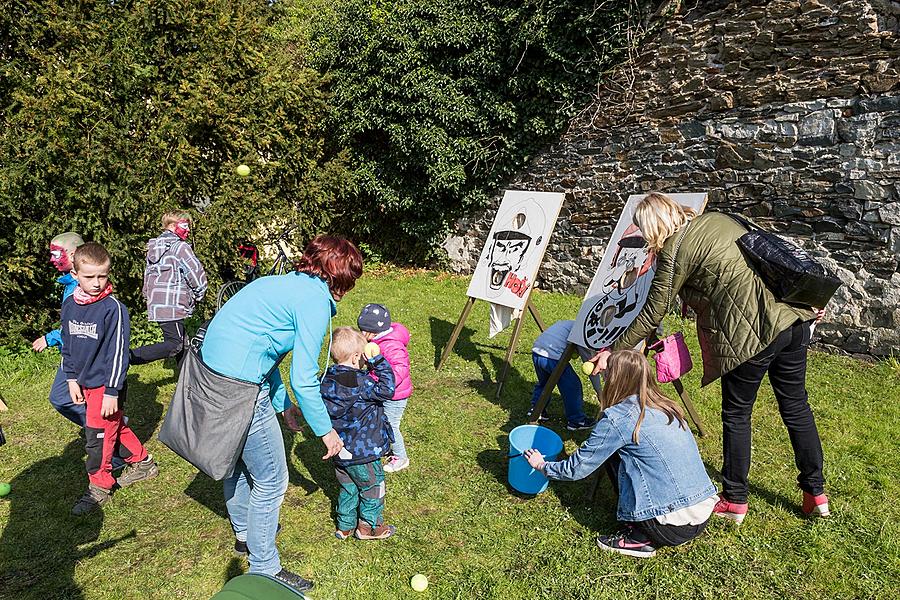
(42, 542)
(142, 407)
(208, 492)
(310, 452)
(772, 498)
(465, 347)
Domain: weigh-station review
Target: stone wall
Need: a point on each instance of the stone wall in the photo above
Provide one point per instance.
(787, 111)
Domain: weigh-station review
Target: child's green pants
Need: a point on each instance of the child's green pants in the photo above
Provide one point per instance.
(362, 490)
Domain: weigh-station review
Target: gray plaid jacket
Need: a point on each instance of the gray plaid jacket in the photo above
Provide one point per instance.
(174, 280)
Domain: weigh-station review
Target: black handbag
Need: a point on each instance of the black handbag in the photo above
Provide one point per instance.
(788, 271)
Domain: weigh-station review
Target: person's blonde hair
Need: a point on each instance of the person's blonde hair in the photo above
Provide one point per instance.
(68, 240)
(628, 373)
(659, 217)
(344, 342)
(173, 216)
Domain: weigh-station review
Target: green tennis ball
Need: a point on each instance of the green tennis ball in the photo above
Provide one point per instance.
(587, 368)
(5, 489)
(242, 170)
(372, 350)
(419, 582)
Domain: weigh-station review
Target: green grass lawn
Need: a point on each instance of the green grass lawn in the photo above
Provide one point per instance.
(457, 520)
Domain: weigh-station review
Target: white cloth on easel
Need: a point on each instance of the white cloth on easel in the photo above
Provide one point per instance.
(501, 317)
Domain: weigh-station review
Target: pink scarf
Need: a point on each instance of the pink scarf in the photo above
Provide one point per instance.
(82, 297)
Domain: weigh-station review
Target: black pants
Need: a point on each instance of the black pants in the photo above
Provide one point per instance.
(669, 535)
(785, 361)
(172, 345)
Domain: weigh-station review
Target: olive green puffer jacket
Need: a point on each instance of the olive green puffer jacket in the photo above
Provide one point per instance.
(737, 315)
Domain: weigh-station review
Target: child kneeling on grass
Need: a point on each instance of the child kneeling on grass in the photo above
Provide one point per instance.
(95, 332)
(355, 403)
(665, 495)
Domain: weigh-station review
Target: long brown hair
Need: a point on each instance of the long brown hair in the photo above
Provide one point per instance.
(628, 373)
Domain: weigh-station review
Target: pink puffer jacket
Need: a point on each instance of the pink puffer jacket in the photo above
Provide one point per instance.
(393, 348)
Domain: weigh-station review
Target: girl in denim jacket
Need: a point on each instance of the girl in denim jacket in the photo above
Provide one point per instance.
(665, 495)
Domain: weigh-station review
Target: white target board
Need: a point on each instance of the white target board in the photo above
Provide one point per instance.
(515, 247)
(620, 285)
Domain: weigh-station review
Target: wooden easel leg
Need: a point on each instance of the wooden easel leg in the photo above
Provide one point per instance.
(551, 383)
(692, 412)
(513, 341)
(537, 316)
(456, 331)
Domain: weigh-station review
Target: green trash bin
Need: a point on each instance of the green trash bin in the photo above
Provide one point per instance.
(251, 586)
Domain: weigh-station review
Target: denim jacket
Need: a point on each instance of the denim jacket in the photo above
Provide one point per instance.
(661, 474)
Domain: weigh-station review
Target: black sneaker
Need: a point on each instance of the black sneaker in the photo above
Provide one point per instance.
(541, 419)
(293, 580)
(585, 423)
(628, 542)
(240, 546)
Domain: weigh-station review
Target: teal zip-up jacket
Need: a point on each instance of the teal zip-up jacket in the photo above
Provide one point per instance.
(268, 318)
(69, 283)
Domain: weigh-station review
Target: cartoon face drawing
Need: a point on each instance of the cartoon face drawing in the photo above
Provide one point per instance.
(508, 250)
(624, 291)
(614, 311)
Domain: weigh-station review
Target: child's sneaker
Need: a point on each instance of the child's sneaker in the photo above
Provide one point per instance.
(343, 534)
(815, 506)
(139, 471)
(395, 463)
(629, 542)
(364, 531)
(585, 423)
(93, 499)
(734, 511)
(541, 419)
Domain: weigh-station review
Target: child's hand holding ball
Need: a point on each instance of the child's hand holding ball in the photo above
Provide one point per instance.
(372, 350)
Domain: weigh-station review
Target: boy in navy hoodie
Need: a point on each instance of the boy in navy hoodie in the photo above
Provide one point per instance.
(95, 332)
(355, 403)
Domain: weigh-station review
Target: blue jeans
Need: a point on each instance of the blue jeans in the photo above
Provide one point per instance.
(569, 387)
(393, 410)
(62, 401)
(253, 495)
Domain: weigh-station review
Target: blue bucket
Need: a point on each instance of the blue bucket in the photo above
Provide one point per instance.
(521, 476)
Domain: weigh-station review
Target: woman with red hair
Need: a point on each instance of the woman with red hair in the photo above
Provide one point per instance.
(265, 320)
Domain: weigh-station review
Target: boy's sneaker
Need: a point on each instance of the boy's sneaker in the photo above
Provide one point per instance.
(395, 463)
(364, 531)
(139, 471)
(629, 542)
(584, 423)
(293, 580)
(343, 534)
(734, 511)
(93, 499)
(541, 419)
(815, 506)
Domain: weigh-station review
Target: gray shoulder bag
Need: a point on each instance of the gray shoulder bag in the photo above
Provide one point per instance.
(209, 417)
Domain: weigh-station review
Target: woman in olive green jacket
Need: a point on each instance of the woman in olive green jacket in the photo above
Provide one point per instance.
(744, 333)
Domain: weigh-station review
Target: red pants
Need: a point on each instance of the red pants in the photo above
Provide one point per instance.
(103, 435)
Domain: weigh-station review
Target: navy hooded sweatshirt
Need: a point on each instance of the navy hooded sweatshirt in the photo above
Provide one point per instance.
(95, 343)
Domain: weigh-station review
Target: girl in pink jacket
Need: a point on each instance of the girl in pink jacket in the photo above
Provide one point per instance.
(375, 323)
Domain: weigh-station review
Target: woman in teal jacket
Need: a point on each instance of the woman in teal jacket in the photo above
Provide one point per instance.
(264, 321)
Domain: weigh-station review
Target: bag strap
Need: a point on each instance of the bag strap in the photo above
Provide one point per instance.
(750, 225)
(674, 262)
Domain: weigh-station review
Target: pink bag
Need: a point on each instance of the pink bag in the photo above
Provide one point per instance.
(672, 358)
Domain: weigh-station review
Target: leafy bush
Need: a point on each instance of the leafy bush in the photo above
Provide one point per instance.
(115, 111)
(439, 101)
